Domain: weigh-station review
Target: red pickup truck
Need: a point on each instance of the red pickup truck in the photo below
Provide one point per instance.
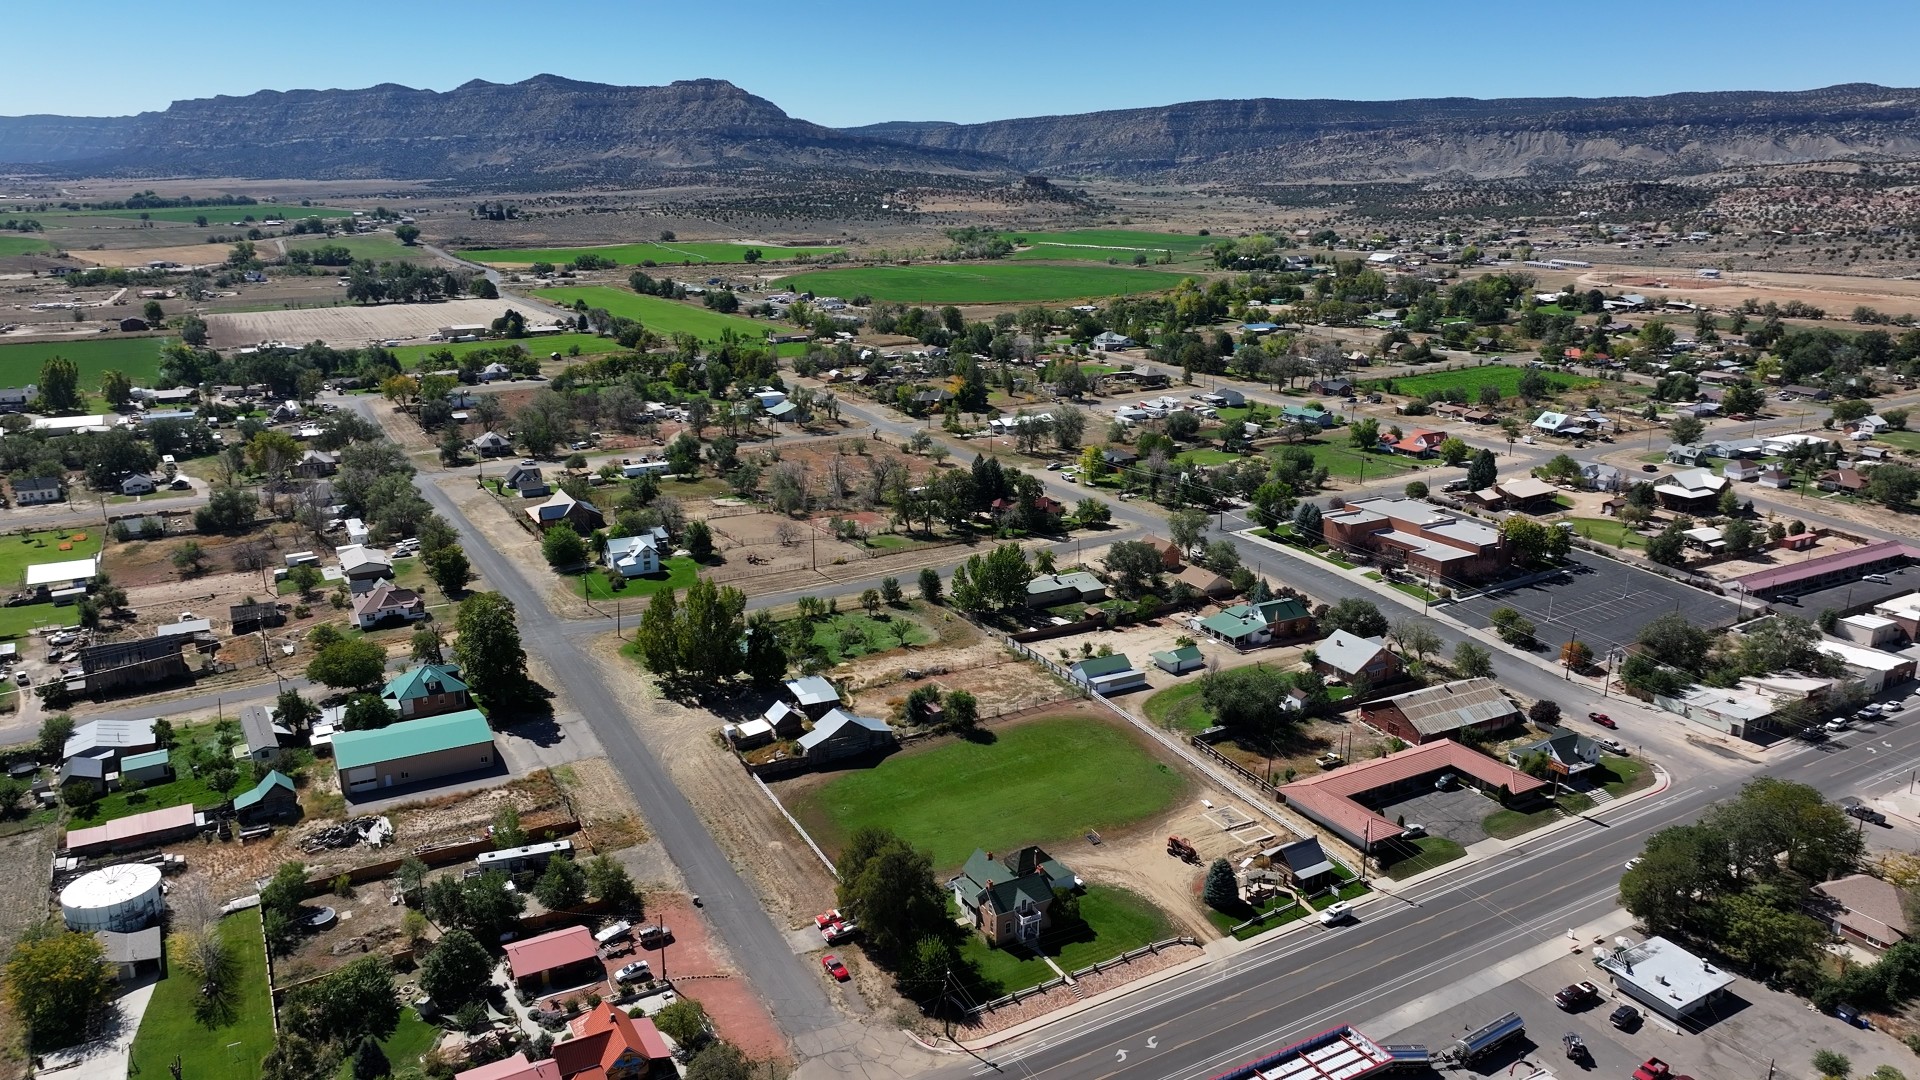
(1655, 1069)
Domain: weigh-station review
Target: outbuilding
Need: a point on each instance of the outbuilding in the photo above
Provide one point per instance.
(414, 752)
(1109, 674)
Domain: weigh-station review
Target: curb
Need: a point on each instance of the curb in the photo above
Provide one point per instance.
(1027, 1027)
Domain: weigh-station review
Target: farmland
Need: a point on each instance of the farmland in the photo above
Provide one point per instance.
(982, 283)
(375, 246)
(139, 357)
(1470, 380)
(660, 316)
(662, 254)
(1099, 245)
(219, 215)
(1038, 782)
(21, 245)
(589, 345)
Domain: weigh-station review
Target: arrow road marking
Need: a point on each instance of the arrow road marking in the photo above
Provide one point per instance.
(1122, 1053)
(1153, 1043)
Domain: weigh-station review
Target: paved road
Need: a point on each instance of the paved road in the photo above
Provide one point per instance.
(1410, 945)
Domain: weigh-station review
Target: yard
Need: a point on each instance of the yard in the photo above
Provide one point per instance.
(228, 1051)
(374, 247)
(410, 1041)
(17, 622)
(1343, 462)
(991, 283)
(1031, 782)
(1610, 532)
(664, 254)
(852, 634)
(184, 788)
(1429, 852)
(139, 357)
(17, 552)
(564, 344)
(663, 317)
(1469, 380)
(1112, 921)
(680, 572)
(1901, 440)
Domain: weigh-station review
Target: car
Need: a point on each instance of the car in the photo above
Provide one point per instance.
(22, 679)
(634, 972)
(528, 462)
(1635, 861)
(1412, 831)
(1576, 995)
(1865, 813)
(1603, 720)
(835, 927)
(1649, 468)
(1329, 760)
(1614, 746)
(1812, 733)
(835, 968)
(578, 444)
(1625, 1018)
(1339, 911)
(1445, 782)
(1838, 723)
(653, 936)
(1054, 466)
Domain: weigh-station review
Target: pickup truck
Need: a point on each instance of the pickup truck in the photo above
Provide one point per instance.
(1655, 1069)
(1576, 995)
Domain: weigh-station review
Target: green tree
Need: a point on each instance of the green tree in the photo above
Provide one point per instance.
(930, 585)
(359, 1001)
(348, 664)
(1454, 451)
(889, 888)
(612, 885)
(305, 578)
(57, 983)
(59, 385)
(1831, 1063)
(506, 831)
(562, 886)
(406, 234)
(562, 547)
(657, 638)
(890, 591)
(719, 1060)
(1763, 928)
(1356, 616)
(454, 970)
(449, 569)
(962, 710)
(1364, 434)
(370, 1062)
(1669, 546)
(1685, 430)
(487, 647)
(766, 656)
(116, 386)
(1187, 526)
(699, 541)
(1513, 627)
(54, 732)
(1221, 892)
(367, 712)
(1482, 472)
(427, 645)
(1136, 567)
(708, 630)
(1307, 523)
(684, 1021)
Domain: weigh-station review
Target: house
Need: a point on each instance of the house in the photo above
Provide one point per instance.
(1204, 581)
(1680, 454)
(139, 662)
(1568, 753)
(1180, 661)
(1557, 423)
(1874, 631)
(1803, 391)
(1599, 476)
(841, 734)
(1866, 910)
(1118, 458)
(1851, 481)
(1691, 490)
(607, 1044)
(249, 618)
(813, 695)
(426, 690)
(1419, 536)
(635, 556)
(527, 481)
(1246, 626)
(1331, 387)
(496, 372)
(1108, 341)
(515, 1067)
(1008, 899)
(1773, 477)
(132, 956)
(72, 574)
(1112, 674)
(386, 604)
(101, 774)
(1872, 424)
(315, 464)
(38, 491)
(583, 516)
(492, 444)
(364, 565)
(138, 484)
(1418, 443)
(273, 797)
(1742, 469)
(1525, 493)
(1874, 670)
(110, 739)
(1303, 864)
(1439, 712)
(1347, 656)
(1664, 977)
(262, 735)
(1341, 800)
(1052, 590)
(413, 752)
(556, 960)
(152, 767)
(1301, 415)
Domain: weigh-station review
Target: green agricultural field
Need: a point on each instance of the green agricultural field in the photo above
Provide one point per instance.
(1035, 783)
(674, 254)
(1102, 244)
(983, 283)
(590, 345)
(139, 357)
(1470, 380)
(663, 317)
(220, 215)
(230, 1049)
(21, 244)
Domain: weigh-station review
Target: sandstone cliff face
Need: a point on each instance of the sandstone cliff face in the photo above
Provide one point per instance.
(32, 139)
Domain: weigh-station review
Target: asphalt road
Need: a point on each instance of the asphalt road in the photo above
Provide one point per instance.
(1408, 945)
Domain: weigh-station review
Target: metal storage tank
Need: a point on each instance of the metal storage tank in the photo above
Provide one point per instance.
(123, 898)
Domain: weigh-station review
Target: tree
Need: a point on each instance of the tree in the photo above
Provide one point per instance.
(1470, 661)
(367, 712)
(889, 888)
(1250, 700)
(1686, 430)
(962, 710)
(719, 1060)
(1831, 1063)
(1544, 713)
(487, 647)
(684, 1021)
(348, 664)
(1415, 638)
(562, 886)
(1136, 566)
(1356, 616)
(1514, 628)
(699, 541)
(506, 831)
(870, 601)
(930, 585)
(657, 637)
(455, 970)
(1763, 927)
(1482, 471)
(1575, 655)
(1186, 527)
(427, 645)
(1669, 546)
(59, 385)
(1364, 434)
(766, 656)
(708, 631)
(54, 733)
(612, 885)
(57, 981)
(358, 1001)
(449, 569)
(1221, 892)
(406, 234)
(1894, 486)
(117, 387)
(890, 591)
(1307, 523)
(562, 547)
(189, 558)
(370, 1062)
(305, 578)
(1454, 450)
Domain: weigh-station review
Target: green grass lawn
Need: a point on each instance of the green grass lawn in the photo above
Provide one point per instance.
(21, 244)
(983, 283)
(1507, 824)
(674, 254)
(222, 215)
(1624, 775)
(1608, 531)
(19, 552)
(17, 621)
(230, 1051)
(680, 572)
(139, 357)
(1434, 851)
(1900, 440)
(853, 634)
(1112, 921)
(1035, 783)
(186, 789)
(410, 1041)
(1180, 708)
(1103, 244)
(1002, 971)
(1343, 462)
(1417, 592)
(411, 356)
(1505, 378)
(663, 317)
(1281, 903)
(1206, 456)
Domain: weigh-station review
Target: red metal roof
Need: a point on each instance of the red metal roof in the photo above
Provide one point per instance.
(1330, 796)
(123, 829)
(551, 950)
(1812, 568)
(516, 1067)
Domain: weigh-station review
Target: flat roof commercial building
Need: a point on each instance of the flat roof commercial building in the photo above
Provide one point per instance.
(1419, 536)
(1338, 800)
(1664, 977)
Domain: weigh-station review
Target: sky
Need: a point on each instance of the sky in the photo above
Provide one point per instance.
(850, 62)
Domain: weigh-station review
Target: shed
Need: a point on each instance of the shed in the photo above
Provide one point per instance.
(413, 752)
(272, 797)
(262, 735)
(1109, 674)
(131, 955)
(1180, 661)
(841, 734)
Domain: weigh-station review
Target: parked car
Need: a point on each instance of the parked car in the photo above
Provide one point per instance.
(1337, 912)
(1413, 832)
(1445, 782)
(1838, 723)
(1576, 996)
(835, 968)
(1626, 1018)
(1603, 720)
(638, 971)
(1614, 746)
(1865, 813)
(654, 936)
(1635, 861)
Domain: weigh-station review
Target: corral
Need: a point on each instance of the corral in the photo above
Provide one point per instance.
(349, 326)
(993, 283)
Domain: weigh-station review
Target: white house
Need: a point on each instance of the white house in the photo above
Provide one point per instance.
(138, 484)
(635, 556)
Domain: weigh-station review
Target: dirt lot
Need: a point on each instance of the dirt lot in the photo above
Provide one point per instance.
(1734, 568)
(961, 659)
(350, 326)
(702, 970)
(1839, 294)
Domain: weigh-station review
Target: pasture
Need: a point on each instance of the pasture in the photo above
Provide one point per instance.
(1469, 381)
(220, 215)
(139, 357)
(660, 254)
(1036, 782)
(411, 356)
(1099, 245)
(663, 317)
(21, 244)
(378, 247)
(982, 283)
(19, 551)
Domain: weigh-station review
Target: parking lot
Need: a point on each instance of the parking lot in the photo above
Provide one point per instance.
(1602, 602)
(1459, 814)
(1749, 1030)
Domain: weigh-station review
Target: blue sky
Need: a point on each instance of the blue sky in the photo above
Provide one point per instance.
(852, 62)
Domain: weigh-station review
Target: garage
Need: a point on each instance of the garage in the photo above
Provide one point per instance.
(414, 753)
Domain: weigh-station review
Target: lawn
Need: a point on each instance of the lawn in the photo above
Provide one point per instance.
(1434, 851)
(17, 621)
(1112, 921)
(21, 244)
(139, 357)
(186, 789)
(1470, 380)
(589, 344)
(410, 1041)
(1180, 708)
(1417, 592)
(663, 317)
(1345, 463)
(19, 552)
(673, 254)
(982, 283)
(1901, 440)
(1033, 783)
(1624, 775)
(1507, 824)
(230, 1051)
(680, 572)
(222, 215)
(853, 634)
(1608, 531)
(1206, 457)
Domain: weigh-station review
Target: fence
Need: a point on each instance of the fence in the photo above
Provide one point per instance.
(797, 827)
(1264, 785)
(436, 857)
(1091, 969)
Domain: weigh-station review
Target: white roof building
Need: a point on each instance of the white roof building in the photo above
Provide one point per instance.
(63, 574)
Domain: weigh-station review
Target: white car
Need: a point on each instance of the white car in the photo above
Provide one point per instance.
(1337, 912)
(1838, 723)
(634, 972)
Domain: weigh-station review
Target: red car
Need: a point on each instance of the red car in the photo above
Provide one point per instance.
(834, 967)
(1603, 720)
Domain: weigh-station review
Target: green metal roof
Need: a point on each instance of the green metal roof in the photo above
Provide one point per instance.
(267, 783)
(410, 738)
(1180, 655)
(1231, 626)
(1096, 666)
(144, 761)
(412, 683)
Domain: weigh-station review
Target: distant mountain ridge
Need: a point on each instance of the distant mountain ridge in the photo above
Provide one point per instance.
(562, 128)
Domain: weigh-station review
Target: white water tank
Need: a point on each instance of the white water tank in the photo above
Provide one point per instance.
(124, 898)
